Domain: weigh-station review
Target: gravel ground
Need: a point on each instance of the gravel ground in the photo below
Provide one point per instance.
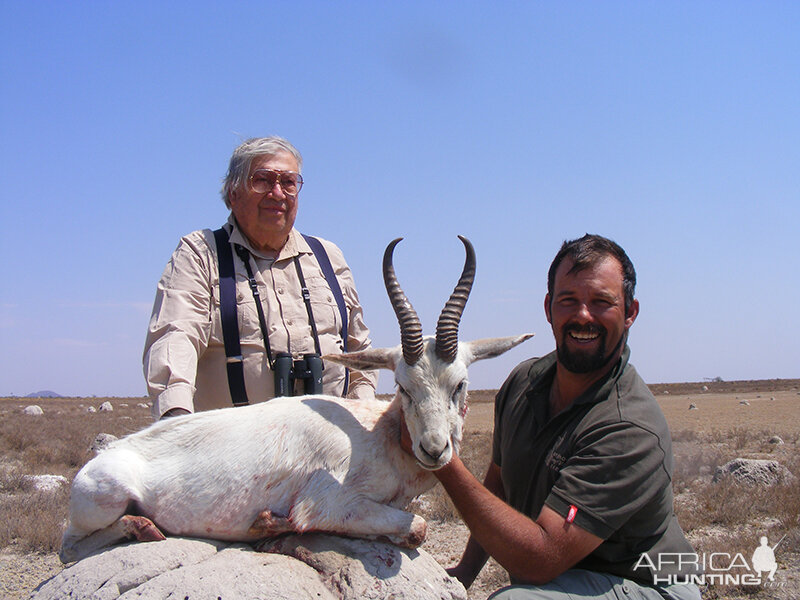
(20, 574)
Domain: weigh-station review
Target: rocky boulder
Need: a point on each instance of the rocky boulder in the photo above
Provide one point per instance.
(318, 566)
(46, 483)
(101, 442)
(754, 471)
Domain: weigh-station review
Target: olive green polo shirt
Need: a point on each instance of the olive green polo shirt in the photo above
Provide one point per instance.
(609, 455)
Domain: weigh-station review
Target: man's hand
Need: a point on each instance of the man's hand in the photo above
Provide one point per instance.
(464, 575)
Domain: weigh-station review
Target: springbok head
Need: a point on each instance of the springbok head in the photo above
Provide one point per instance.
(430, 371)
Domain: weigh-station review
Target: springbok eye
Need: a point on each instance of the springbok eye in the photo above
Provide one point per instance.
(459, 389)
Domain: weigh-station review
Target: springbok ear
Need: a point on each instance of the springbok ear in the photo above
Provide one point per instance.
(371, 358)
(490, 347)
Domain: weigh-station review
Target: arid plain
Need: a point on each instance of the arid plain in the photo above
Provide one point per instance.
(740, 419)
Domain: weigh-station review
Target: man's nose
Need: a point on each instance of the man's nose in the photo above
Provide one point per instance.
(276, 189)
(583, 313)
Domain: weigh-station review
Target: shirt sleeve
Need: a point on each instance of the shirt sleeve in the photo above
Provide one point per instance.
(362, 383)
(615, 471)
(180, 326)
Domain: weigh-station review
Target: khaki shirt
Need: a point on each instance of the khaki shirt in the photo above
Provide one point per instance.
(184, 355)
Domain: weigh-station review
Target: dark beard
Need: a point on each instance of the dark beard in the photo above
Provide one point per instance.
(586, 362)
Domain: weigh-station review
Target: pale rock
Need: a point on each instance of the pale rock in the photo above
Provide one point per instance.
(101, 442)
(754, 471)
(310, 566)
(46, 483)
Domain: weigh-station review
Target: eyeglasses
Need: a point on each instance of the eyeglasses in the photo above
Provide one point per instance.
(264, 180)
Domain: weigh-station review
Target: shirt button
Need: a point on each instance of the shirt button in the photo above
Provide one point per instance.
(280, 290)
(289, 322)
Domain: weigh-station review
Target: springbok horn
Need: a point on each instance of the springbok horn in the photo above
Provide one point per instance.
(447, 327)
(410, 326)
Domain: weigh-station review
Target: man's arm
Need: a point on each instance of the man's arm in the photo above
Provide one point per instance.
(531, 551)
(179, 328)
(475, 557)
(175, 412)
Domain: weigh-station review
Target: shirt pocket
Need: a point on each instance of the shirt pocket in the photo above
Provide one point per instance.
(246, 314)
(323, 305)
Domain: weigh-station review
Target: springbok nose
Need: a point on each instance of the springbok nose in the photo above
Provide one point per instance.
(434, 444)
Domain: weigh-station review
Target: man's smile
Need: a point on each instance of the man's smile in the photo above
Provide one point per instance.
(584, 335)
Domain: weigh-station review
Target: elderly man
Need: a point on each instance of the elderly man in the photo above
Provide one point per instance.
(243, 313)
(577, 501)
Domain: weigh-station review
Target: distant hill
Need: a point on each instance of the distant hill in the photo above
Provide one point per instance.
(718, 386)
(44, 394)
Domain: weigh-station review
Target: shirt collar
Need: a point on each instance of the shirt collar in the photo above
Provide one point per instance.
(546, 369)
(602, 388)
(294, 245)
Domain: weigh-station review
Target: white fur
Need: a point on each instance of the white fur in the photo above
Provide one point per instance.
(290, 464)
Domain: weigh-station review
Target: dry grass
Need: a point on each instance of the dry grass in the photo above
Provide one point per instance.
(730, 517)
(55, 443)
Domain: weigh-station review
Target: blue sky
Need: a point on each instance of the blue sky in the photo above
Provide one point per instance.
(672, 128)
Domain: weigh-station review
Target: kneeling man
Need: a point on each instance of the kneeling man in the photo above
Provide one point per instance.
(580, 485)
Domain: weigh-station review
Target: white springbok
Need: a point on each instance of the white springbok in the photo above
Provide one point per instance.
(293, 464)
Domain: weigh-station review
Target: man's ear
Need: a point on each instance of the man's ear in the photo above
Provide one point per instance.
(633, 312)
(547, 308)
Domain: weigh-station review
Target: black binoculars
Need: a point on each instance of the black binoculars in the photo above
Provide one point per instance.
(287, 370)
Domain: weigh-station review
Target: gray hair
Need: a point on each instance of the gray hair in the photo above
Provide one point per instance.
(242, 158)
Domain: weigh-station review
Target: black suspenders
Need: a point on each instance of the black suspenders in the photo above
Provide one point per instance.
(228, 316)
(230, 324)
(333, 283)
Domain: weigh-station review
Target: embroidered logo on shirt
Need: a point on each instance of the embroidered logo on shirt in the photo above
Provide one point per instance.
(555, 461)
(557, 456)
